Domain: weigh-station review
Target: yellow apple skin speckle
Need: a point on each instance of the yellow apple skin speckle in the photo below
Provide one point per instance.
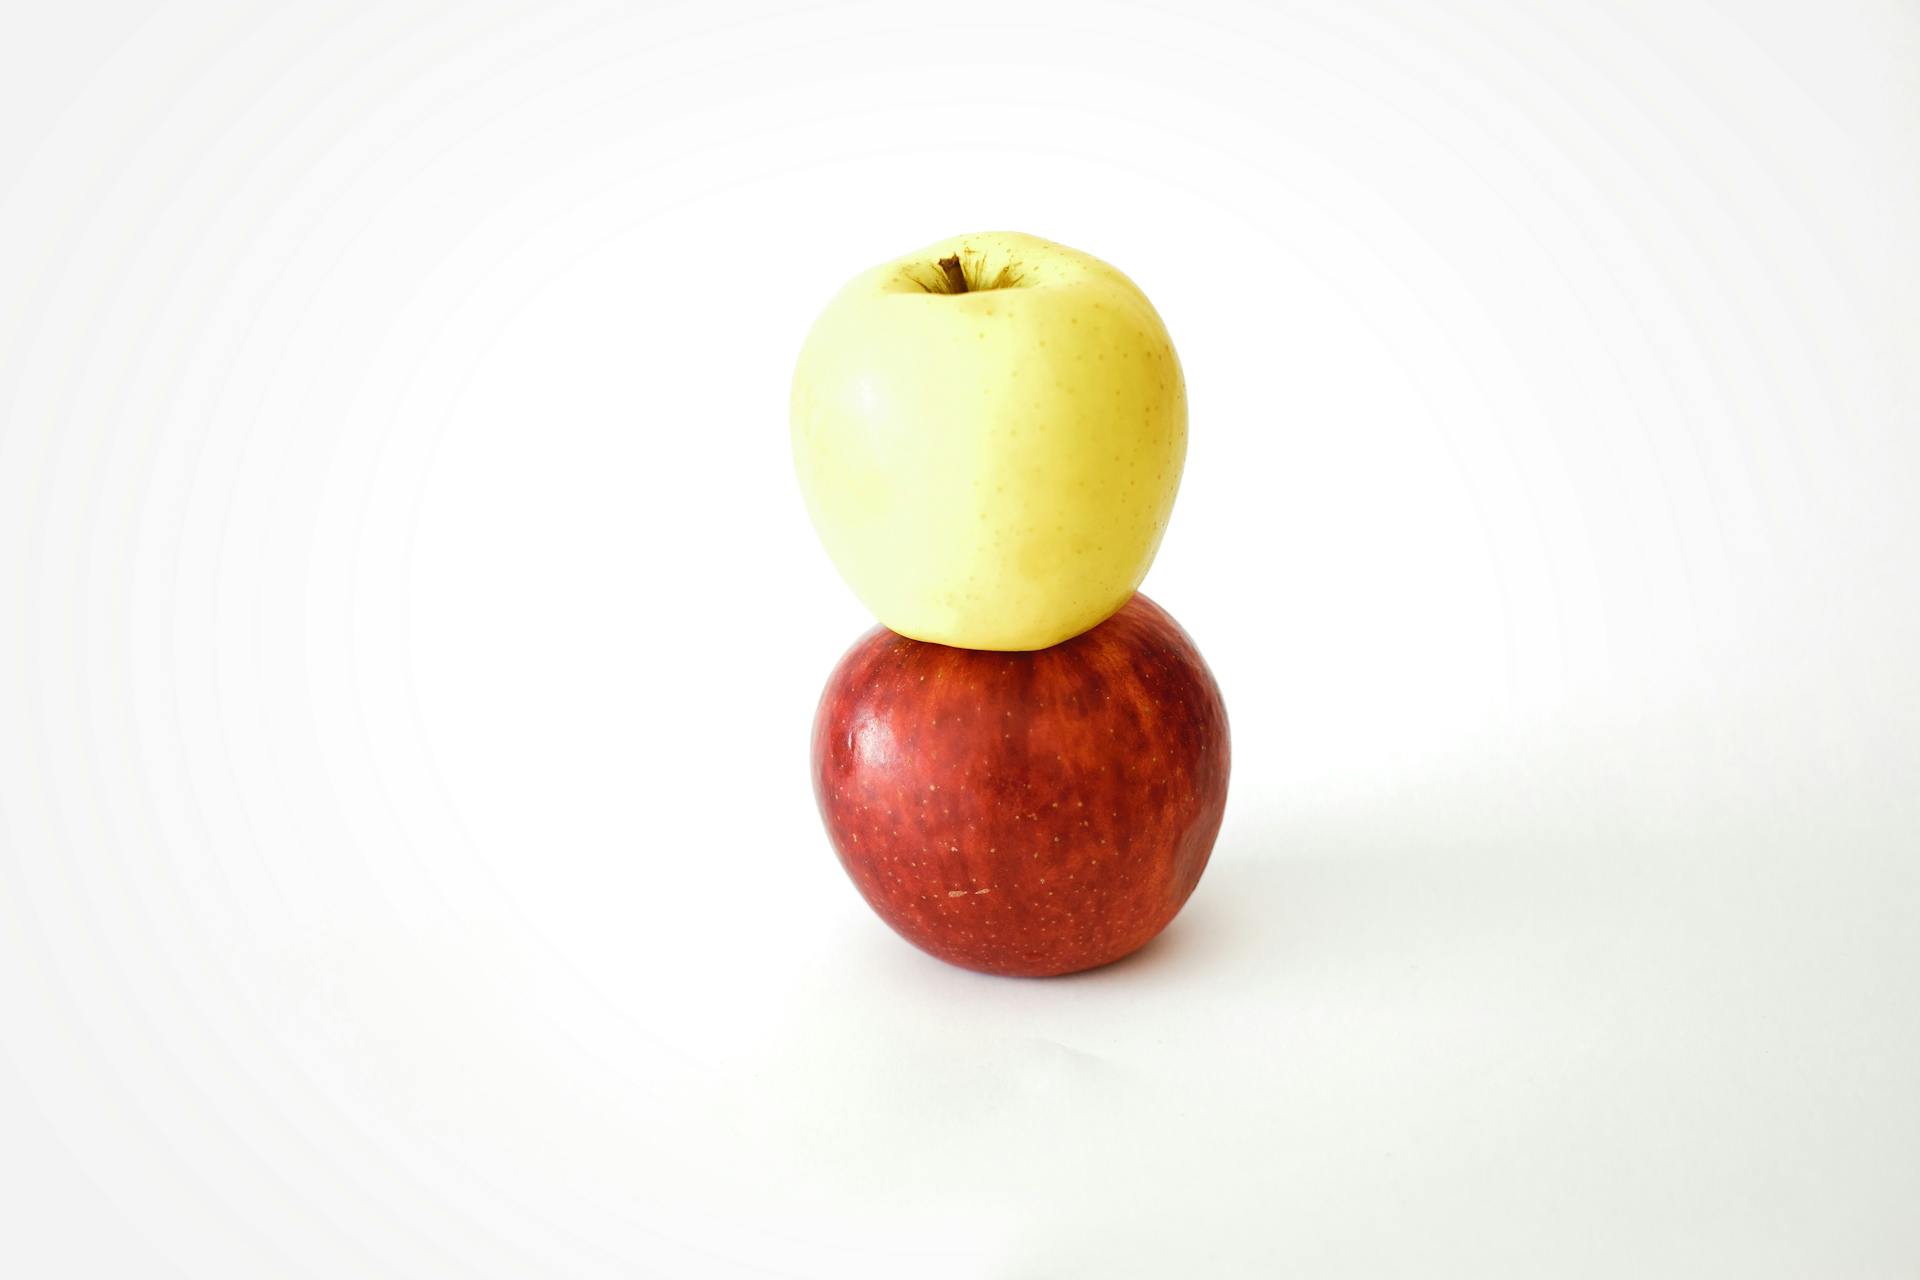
(990, 469)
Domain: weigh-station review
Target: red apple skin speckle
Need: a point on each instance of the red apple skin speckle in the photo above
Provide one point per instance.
(1025, 813)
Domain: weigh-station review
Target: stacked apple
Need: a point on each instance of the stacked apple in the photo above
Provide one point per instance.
(1023, 769)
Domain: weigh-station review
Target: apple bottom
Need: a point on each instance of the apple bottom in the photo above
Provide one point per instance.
(1025, 813)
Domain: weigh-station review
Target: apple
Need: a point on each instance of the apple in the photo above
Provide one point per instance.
(989, 434)
(1025, 813)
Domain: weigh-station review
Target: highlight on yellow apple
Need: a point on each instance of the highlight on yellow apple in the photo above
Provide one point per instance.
(989, 434)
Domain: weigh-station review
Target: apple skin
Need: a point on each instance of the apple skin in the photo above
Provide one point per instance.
(995, 468)
(1025, 813)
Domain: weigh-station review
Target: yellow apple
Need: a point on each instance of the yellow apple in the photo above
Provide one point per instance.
(989, 435)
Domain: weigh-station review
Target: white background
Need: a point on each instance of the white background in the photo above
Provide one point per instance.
(409, 630)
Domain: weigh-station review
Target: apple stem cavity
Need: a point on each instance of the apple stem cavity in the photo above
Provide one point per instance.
(952, 277)
(956, 277)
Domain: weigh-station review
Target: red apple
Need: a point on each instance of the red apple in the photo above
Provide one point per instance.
(1027, 813)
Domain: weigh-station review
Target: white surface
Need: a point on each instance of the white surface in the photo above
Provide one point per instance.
(409, 630)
